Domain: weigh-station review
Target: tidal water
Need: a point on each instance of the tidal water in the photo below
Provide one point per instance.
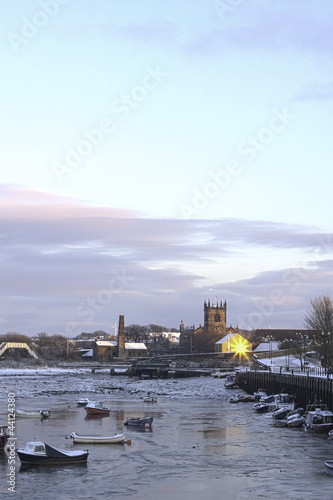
(200, 446)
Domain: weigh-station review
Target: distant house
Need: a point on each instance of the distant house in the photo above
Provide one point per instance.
(135, 350)
(104, 350)
(233, 342)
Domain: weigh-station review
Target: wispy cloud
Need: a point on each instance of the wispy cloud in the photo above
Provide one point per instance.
(286, 27)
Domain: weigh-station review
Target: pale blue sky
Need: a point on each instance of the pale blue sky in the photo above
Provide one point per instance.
(180, 112)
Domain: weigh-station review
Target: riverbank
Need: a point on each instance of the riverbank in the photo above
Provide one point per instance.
(200, 445)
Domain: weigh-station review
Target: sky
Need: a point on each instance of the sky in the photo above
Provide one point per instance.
(158, 154)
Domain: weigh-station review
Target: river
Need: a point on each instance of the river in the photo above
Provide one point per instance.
(200, 446)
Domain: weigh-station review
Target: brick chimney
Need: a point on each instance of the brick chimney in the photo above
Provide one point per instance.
(121, 337)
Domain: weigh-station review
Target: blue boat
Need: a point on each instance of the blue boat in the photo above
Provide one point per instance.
(144, 422)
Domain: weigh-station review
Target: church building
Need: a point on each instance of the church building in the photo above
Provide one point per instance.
(204, 338)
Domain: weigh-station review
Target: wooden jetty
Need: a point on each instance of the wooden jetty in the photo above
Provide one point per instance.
(306, 389)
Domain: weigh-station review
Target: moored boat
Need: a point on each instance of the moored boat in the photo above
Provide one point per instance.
(280, 422)
(242, 398)
(260, 394)
(144, 422)
(149, 398)
(319, 420)
(32, 414)
(83, 401)
(284, 400)
(116, 438)
(96, 408)
(329, 467)
(265, 405)
(296, 419)
(39, 453)
(231, 382)
(4, 435)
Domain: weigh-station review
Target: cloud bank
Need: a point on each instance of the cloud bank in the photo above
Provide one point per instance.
(68, 267)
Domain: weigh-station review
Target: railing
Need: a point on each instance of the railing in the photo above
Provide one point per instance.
(17, 345)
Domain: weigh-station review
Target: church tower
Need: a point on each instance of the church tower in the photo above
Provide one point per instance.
(215, 319)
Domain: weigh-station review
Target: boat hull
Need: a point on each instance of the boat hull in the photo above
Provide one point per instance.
(97, 411)
(30, 459)
(117, 438)
(3, 441)
(51, 456)
(4, 434)
(329, 467)
(139, 422)
(321, 428)
(32, 414)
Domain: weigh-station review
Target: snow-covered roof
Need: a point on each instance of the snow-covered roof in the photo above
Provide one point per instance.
(267, 347)
(227, 338)
(135, 345)
(106, 343)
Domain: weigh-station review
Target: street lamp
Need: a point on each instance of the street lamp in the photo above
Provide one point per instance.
(326, 337)
(302, 338)
(270, 340)
(329, 355)
(287, 346)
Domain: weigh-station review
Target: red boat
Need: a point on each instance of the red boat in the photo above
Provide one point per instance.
(96, 408)
(4, 435)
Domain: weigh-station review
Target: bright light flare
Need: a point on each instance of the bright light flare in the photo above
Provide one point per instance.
(239, 347)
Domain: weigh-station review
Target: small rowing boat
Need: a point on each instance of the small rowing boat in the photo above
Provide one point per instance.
(33, 414)
(116, 438)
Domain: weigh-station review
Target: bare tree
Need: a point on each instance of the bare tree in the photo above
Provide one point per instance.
(136, 333)
(320, 317)
(320, 314)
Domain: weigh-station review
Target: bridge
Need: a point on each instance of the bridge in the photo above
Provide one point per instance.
(16, 345)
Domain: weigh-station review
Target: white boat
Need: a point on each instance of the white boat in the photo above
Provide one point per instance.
(32, 414)
(284, 400)
(295, 420)
(281, 414)
(319, 420)
(329, 467)
(83, 401)
(231, 382)
(275, 402)
(242, 398)
(150, 399)
(116, 438)
(265, 405)
(260, 394)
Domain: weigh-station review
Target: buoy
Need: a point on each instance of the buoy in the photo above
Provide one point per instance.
(129, 442)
